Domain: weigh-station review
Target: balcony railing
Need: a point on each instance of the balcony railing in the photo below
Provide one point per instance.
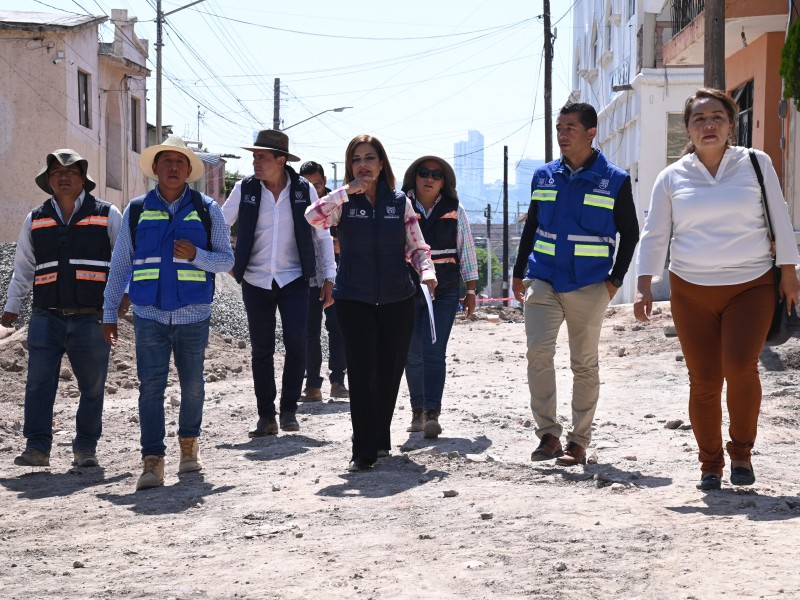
(684, 12)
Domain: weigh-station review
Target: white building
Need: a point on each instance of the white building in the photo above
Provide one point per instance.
(639, 100)
(468, 165)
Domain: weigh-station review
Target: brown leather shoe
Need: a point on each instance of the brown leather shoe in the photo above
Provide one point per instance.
(549, 448)
(575, 454)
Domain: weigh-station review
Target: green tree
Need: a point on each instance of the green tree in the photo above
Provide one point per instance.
(497, 268)
(790, 64)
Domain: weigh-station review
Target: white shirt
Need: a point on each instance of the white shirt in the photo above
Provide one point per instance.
(274, 256)
(719, 234)
(25, 261)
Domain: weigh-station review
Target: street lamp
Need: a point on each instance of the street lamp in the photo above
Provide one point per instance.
(340, 109)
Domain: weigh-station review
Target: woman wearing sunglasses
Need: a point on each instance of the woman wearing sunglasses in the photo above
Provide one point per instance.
(430, 184)
(374, 292)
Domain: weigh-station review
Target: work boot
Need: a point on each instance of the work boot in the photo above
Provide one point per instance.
(84, 458)
(575, 454)
(432, 429)
(549, 448)
(152, 473)
(265, 426)
(311, 394)
(417, 420)
(339, 391)
(190, 446)
(31, 457)
(289, 422)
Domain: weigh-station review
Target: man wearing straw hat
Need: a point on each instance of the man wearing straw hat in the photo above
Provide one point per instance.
(169, 256)
(63, 253)
(276, 255)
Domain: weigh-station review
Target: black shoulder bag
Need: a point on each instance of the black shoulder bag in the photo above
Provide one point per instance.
(783, 324)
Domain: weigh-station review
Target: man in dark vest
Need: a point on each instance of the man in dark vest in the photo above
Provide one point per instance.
(276, 256)
(63, 253)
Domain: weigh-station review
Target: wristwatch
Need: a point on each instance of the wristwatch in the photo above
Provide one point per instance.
(615, 281)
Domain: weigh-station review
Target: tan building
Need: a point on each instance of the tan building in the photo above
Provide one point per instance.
(63, 89)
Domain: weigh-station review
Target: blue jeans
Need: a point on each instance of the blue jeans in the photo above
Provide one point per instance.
(50, 335)
(425, 365)
(336, 360)
(292, 302)
(154, 343)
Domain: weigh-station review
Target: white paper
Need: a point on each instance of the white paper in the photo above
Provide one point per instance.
(427, 291)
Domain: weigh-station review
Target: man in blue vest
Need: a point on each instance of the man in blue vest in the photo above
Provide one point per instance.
(566, 271)
(169, 255)
(276, 256)
(63, 253)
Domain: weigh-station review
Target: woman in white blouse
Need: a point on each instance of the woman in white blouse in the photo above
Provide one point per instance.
(706, 208)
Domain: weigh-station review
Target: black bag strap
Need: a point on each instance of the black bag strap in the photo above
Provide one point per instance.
(137, 206)
(760, 177)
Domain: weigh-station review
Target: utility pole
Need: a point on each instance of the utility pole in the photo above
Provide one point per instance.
(505, 225)
(488, 214)
(160, 16)
(276, 105)
(548, 85)
(714, 49)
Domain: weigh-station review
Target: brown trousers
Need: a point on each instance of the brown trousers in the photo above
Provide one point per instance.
(722, 331)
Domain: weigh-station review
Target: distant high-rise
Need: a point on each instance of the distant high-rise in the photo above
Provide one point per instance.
(468, 159)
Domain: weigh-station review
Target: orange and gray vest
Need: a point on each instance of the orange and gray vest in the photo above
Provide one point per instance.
(440, 230)
(71, 260)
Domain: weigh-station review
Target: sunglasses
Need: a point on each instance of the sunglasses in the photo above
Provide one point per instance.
(425, 172)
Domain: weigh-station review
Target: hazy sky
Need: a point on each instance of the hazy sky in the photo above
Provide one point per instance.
(417, 74)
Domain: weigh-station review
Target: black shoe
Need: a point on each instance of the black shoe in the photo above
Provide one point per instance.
(265, 426)
(710, 481)
(289, 422)
(742, 476)
(384, 453)
(359, 464)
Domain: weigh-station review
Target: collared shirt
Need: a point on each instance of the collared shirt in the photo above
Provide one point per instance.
(275, 256)
(465, 245)
(25, 262)
(217, 260)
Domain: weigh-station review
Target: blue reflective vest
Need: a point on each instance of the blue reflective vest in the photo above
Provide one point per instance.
(576, 235)
(159, 279)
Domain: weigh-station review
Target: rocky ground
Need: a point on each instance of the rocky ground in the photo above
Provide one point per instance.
(465, 516)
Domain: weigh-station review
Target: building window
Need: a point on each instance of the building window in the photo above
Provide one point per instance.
(135, 143)
(84, 104)
(631, 9)
(676, 137)
(595, 46)
(744, 98)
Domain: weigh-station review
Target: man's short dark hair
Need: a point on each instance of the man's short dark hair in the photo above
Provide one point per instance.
(587, 115)
(310, 167)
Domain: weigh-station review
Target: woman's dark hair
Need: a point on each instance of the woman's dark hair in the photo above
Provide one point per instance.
(728, 103)
(386, 173)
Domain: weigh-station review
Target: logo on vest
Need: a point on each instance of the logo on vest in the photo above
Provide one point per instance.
(357, 213)
(298, 196)
(604, 183)
(249, 199)
(390, 210)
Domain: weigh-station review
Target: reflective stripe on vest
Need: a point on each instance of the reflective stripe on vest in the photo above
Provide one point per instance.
(47, 265)
(193, 275)
(48, 278)
(192, 216)
(544, 195)
(546, 234)
(154, 215)
(451, 215)
(445, 251)
(46, 222)
(93, 220)
(544, 247)
(144, 261)
(143, 274)
(592, 238)
(599, 201)
(90, 275)
(591, 250)
(89, 263)
(444, 261)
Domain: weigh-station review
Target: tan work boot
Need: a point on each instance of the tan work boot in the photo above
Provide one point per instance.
(190, 446)
(338, 390)
(152, 474)
(417, 420)
(431, 429)
(311, 394)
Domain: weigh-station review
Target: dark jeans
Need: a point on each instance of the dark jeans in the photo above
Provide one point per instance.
(292, 302)
(376, 344)
(425, 366)
(50, 335)
(336, 360)
(155, 342)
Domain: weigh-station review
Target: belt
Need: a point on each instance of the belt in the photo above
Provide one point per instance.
(86, 310)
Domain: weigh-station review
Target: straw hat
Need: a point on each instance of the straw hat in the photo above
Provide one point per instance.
(66, 157)
(175, 144)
